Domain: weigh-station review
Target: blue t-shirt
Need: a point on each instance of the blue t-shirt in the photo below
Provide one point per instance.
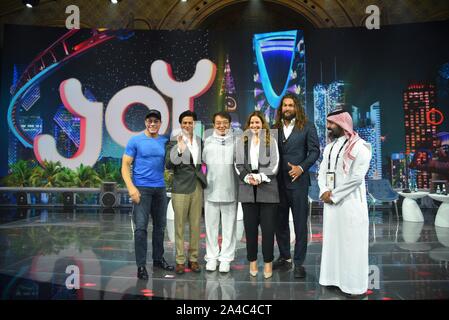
(149, 160)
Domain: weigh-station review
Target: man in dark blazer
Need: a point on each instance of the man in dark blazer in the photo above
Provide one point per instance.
(183, 156)
(299, 149)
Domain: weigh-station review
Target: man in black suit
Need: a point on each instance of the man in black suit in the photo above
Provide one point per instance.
(183, 156)
(299, 149)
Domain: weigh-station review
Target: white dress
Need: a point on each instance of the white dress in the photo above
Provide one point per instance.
(344, 259)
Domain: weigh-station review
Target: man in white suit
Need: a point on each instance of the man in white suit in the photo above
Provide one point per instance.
(344, 260)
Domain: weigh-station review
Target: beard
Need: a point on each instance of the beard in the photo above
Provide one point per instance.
(288, 117)
(334, 133)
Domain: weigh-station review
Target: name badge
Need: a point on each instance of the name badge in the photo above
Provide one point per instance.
(330, 180)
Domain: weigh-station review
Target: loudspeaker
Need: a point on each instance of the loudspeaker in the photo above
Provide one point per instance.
(109, 196)
(23, 198)
(68, 199)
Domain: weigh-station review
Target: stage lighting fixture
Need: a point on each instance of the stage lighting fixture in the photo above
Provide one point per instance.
(31, 3)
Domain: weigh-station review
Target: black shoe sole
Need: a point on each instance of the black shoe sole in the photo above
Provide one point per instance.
(162, 268)
(142, 277)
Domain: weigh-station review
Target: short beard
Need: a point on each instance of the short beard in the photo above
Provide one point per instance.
(288, 118)
(334, 134)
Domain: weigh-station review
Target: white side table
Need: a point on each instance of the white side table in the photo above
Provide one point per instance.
(410, 209)
(442, 218)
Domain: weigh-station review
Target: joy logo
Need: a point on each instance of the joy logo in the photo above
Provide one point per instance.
(91, 113)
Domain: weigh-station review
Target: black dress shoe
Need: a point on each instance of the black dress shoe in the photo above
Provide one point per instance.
(282, 263)
(163, 265)
(142, 273)
(299, 272)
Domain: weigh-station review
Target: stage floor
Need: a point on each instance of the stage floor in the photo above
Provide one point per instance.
(408, 261)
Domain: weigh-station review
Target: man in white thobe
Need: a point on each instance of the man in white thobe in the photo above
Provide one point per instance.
(341, 178)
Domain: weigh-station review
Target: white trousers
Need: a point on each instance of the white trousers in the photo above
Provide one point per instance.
(228, 212)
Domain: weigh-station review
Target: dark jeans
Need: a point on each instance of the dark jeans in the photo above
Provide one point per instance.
(296, 199)
(265, 215)
(152, 201)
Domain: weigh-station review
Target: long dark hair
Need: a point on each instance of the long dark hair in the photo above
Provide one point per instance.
(300, 115)
(265, 126)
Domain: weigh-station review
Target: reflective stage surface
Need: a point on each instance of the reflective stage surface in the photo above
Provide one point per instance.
(43, 251)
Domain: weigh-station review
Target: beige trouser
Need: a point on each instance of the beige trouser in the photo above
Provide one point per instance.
(188, 207)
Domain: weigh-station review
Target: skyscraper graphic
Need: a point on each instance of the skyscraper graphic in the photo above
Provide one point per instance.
(13, 148)
(66, 130)
(398, 170)
(69, 124)
(326, 98)
(337, 92)
(320, 109)
(228, 91)
(418, 100)
(401, 174)
(30, 97)
(15, 79)
(31, 125)
(374, 116)
(369, 129)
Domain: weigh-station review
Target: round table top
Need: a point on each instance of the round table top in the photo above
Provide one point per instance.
(439, 197)
(413, 195)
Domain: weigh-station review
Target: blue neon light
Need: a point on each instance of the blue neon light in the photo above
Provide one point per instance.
(270, 43)
(290, 49)
(17, 95)
(264, 39)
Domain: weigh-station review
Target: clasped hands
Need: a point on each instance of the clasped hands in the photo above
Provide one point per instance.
(254, 180)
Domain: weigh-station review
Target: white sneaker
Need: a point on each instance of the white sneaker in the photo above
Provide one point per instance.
(211, 265)
(224, 266)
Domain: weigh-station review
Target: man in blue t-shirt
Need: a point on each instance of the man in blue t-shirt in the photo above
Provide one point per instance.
(146, 153)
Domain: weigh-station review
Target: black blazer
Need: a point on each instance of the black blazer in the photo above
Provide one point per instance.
(267, 192)
(301, 148)
(185, 173)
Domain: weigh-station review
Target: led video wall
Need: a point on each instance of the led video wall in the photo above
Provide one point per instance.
(77, 96)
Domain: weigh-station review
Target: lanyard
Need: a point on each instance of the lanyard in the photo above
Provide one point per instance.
(338, 155)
